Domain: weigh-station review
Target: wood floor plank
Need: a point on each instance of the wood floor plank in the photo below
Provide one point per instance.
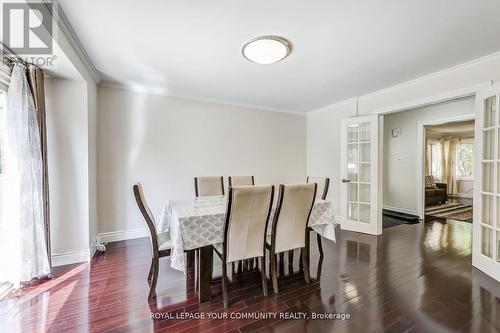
(413, 278)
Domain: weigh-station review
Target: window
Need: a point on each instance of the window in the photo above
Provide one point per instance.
(3, 106)
(2, 129)
(434, 151)
(5, 287)
(464, 159)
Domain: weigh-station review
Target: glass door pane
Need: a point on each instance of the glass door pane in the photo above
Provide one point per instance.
(486, 241)
(358, 172)
(489, 117)
(490, 181)
(486, 223)
(489, 144)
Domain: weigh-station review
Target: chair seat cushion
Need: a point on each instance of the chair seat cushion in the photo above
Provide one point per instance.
(429, 192)
(440, 191)
(164, 241)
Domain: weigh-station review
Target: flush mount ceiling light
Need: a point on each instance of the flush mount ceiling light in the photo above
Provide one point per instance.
(266, 50)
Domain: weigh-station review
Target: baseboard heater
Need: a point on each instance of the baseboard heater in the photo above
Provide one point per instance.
(408, 218)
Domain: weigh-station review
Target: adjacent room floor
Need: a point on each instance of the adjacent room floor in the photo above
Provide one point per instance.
(414, 278)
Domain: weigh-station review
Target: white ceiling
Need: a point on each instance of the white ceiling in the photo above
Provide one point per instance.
(341, 48)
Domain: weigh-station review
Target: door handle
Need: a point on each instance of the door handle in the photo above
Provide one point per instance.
(346, 180)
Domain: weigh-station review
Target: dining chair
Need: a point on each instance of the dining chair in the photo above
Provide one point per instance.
(289, 226)
(323, 184)
(208, 186)
(161, 243)
(322, 192)
(241, 180)
(247, 214)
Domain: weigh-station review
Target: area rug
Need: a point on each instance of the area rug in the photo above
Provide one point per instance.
(452, 211)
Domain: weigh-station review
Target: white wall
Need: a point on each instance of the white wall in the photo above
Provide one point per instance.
(67, 141)
(323, 149)
(165, 141)
(72, 151)
(323, 125)
(91, 90)
(401, 153)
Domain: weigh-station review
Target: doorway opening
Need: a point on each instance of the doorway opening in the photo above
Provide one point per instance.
(448, 175)
(409, 156)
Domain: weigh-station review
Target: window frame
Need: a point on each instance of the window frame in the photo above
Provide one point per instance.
(465, 141)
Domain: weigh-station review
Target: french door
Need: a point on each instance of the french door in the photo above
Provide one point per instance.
(486, 222)
(360, 188)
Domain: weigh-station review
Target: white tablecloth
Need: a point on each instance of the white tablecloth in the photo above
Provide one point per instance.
(198, 222)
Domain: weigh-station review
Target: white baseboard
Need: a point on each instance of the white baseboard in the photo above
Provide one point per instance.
(93, 250)
(402, 210)
(72, 257)
(115, 236)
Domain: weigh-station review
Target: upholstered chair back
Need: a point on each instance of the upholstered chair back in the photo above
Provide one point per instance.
(248, 210)
(241, 181)
(146, 213)
(323, 184)
(295, 202)
(430, 182)
(208, 186)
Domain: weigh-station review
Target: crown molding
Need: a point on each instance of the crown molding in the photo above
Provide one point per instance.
(333, 106)
(434, 75)
(66, 28)
(148, 91)
(474, 62)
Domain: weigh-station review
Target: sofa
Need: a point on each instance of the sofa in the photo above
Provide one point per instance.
(435, 192)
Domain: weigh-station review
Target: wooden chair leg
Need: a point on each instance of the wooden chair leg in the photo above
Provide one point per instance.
(320, 245)
(150, 274)
(301, 264)
(263, 273)
(290, 259)
(247, 265)
(274, 272)
(305, 259)
(320, 267)
(224, 285)
(233, 267)
(281, 264)
(156, 267)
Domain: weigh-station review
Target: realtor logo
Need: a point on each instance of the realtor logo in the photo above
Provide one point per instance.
(27, 27)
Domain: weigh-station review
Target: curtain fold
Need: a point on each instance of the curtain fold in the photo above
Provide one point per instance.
(442, 160)
(450, 172)
(24, 206)
(36, 81)
(427, 157)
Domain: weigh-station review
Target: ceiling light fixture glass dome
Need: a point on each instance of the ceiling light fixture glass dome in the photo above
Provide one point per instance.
(266, 50)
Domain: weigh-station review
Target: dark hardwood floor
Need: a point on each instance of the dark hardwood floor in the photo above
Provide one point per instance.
(414, 278)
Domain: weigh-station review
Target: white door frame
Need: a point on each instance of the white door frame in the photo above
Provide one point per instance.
(421, 154)
(489, 265)
(433, 99)
(374, 226)
(419, 103)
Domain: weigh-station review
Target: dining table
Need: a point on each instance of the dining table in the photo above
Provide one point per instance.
(198, 223)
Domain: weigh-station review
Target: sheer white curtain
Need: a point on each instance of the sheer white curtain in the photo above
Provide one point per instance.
(23, 238)
(451, 164)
